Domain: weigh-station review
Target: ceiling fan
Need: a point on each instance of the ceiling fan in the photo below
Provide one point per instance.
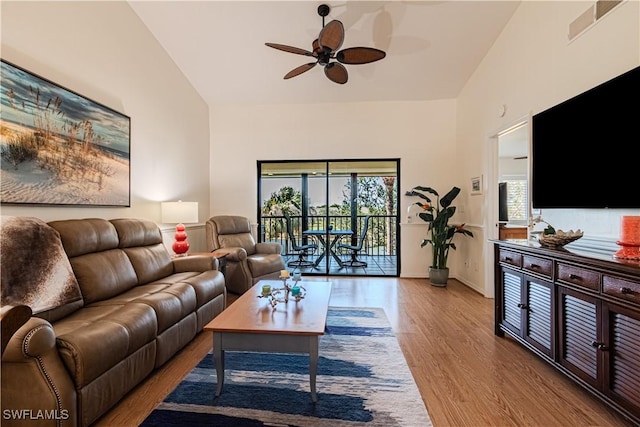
(325, 49)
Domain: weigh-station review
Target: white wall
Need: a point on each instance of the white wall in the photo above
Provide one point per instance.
(420, 134)
(103, 51)
(530, 68)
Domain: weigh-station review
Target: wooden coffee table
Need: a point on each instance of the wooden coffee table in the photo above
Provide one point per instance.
(251, 324)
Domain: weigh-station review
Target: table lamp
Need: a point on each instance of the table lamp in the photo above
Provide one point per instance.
(179, 213)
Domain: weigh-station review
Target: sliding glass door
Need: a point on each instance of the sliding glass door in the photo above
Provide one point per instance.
(345, 209)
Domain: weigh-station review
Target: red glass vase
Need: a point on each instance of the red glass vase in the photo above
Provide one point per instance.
(180, 246)
(629, 238)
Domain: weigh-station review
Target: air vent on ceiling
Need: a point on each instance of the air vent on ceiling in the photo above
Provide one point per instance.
(589, 17)
(604, 6)
(581, 23)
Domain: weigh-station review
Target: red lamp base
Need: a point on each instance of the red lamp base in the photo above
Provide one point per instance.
(628, 251)
(180, 246)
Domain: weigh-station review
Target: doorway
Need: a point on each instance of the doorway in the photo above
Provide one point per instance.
(344, 211)
(513, 182)
(515, 140)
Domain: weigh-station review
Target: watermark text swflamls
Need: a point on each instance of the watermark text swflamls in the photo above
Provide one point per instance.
(35, 414)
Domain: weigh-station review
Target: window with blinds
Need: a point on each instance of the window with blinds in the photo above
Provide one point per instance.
(517, 200)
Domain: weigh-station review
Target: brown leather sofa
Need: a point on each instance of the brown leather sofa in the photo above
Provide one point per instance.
(247, 261)
(70, 364)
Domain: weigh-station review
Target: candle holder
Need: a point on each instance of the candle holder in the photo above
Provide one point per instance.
(285, 288)
(282, 294)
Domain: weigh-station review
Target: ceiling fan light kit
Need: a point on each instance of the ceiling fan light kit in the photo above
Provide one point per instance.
(325, 49)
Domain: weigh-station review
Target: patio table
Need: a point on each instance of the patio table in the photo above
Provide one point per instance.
(323, 236)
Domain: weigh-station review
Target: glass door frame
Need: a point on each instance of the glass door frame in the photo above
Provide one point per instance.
(304, 186)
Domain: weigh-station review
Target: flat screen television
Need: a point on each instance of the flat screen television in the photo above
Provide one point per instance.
(584, 150)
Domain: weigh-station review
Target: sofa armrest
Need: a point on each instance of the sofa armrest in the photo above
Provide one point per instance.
(268, 248)
(234, 254)
(195, 263)
(34, 376)
(35, 338)
(12, 317)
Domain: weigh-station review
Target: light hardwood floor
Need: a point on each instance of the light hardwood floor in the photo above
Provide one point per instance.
(467, 376)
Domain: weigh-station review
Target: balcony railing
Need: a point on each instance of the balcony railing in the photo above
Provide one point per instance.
(380, 239)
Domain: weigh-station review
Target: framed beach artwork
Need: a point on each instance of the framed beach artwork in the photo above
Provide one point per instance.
(58, 147)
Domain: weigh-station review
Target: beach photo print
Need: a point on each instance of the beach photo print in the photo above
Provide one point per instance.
(58, 147)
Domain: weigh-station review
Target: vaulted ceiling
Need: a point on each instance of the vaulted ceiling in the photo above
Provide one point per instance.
(432, 47)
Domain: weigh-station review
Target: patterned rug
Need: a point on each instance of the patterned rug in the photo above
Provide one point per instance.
(363, 380)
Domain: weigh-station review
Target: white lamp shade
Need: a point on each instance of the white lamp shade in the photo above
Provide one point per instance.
(179, 212)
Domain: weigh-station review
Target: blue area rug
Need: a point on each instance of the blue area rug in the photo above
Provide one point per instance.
(363, 380)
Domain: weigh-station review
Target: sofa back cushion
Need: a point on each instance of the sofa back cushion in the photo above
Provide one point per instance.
(101, 268)
(84, 236)
(141, 240)
(103, 275)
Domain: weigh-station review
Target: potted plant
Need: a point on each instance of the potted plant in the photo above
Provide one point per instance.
(441, 234)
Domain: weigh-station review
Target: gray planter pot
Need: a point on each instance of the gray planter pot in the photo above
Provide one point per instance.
(438, 276)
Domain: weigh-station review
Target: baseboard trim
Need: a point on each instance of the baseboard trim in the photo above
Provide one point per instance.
(471, 285)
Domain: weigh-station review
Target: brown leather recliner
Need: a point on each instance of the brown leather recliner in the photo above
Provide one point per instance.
(247, 261)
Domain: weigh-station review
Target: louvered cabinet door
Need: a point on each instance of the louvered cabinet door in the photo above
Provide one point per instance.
(538, 309)
(581, 345)
(512, 314)
(622, 358)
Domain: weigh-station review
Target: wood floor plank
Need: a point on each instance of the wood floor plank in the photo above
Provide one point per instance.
(466, 375)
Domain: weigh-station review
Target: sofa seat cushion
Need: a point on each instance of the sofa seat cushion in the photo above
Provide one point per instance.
(265, 264)
(208, 285)
(172, 300)
(172, 304)
(96, 338)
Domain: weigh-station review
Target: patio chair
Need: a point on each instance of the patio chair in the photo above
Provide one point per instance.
(355, 249)
(302, 249)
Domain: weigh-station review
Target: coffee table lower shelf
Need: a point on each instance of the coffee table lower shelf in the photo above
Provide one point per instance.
(265, 343)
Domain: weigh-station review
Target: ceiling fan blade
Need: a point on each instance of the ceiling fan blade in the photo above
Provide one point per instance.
(332, 35)
(336, 73)
(359, 55)
(299, 70)
(317, 50)
(289, 49)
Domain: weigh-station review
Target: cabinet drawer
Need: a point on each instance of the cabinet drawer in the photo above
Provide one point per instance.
(579, 276)
(621, 288)
(512, 258)
(538, 265)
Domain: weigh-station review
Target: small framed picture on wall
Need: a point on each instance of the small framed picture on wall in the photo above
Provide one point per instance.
(476, 185)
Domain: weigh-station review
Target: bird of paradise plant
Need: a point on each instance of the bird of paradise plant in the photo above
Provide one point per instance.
(437, 215)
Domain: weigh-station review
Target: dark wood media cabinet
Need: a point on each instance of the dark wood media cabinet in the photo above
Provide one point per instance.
(577, 310)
